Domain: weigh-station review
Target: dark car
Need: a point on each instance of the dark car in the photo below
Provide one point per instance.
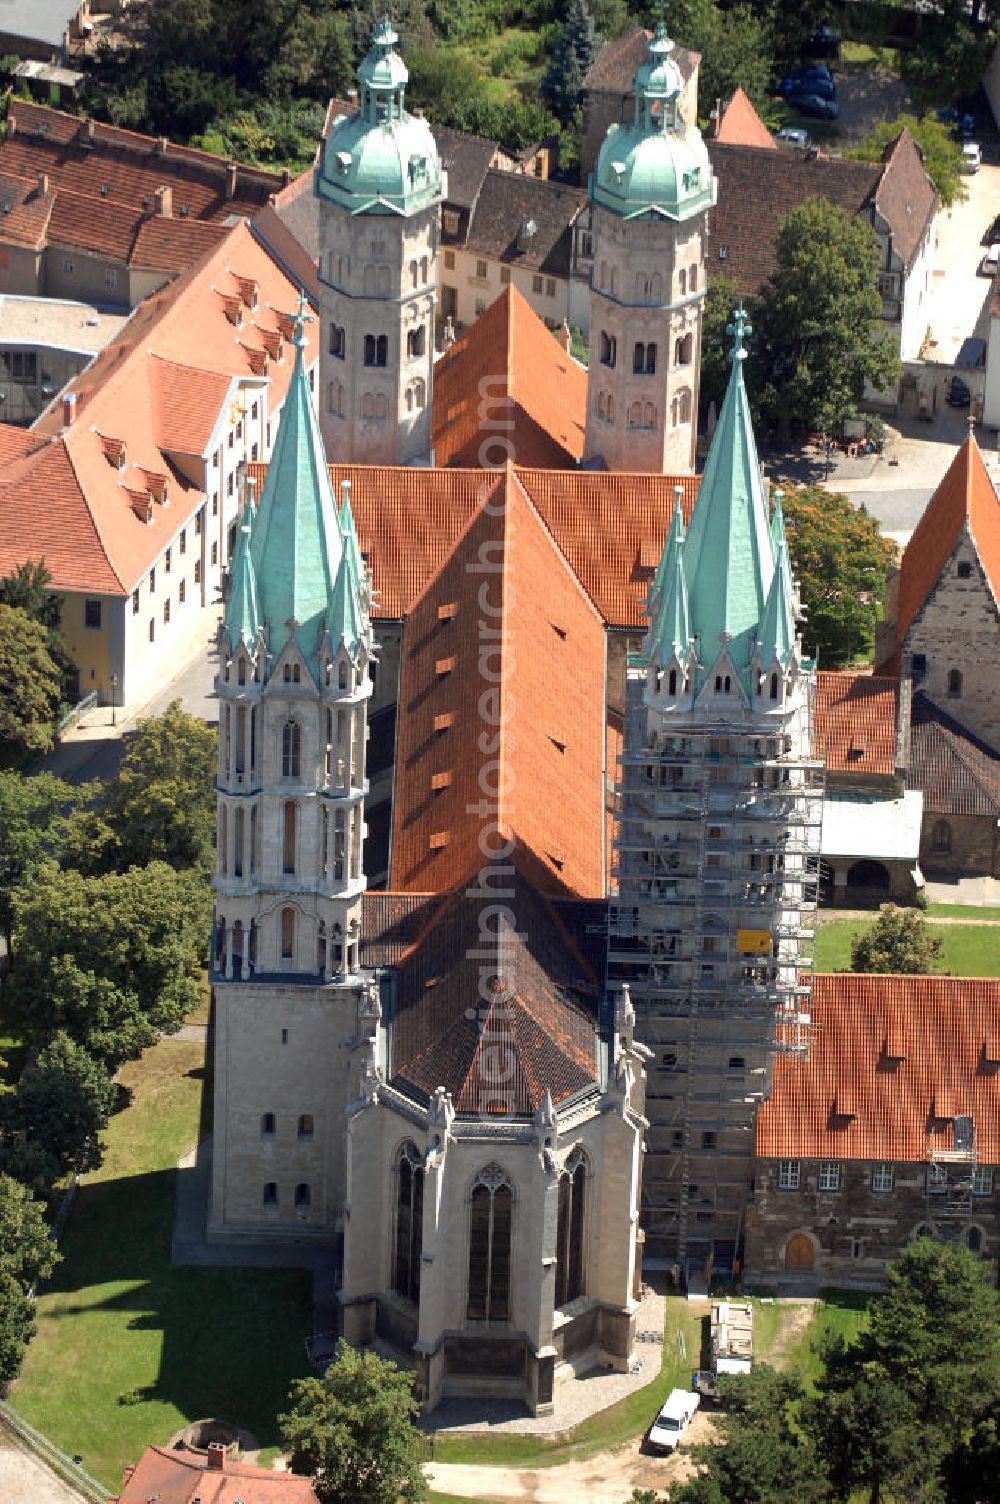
(813, 104)
(958, 393)
(961, 120)
(823, 43)
(810, 81)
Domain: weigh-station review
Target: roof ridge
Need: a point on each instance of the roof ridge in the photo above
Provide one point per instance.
(961, 752)
(574, 577)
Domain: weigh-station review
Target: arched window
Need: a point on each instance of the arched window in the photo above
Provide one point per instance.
(954, 682)
(569, 1239)
(674, 409)
(941, 836)
(635, 415)
(343, 675)
(683, 350)
(610, 413)
(491, 1209)
(409, 1224)
(639, 358)
(409, 399)
(270, 1196)
(423, 269)
(650, 360)
(641, 287)
(415, 340)
(241, 671)
(338, 341)
(684, 408)
(683, 282)
(612, 281)
(267, 1125)
(306, 1128)
(335, 398)
(287, 934)
(413, 274)
(609, 349)
(382, 350)
(303, 1195)
(774, 686)
(291, 750)
(974, 1239)
(648, 415)
(603, 277)
(288, 837)
(672, 682)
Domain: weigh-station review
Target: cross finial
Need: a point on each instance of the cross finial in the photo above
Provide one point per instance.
(302, 318)
(739, 327)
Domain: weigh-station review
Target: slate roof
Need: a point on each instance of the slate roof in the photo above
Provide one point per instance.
(757, 188)
(957, 774)
(39, 139)
(534, 1027)
(742, 126)
(507, 202)
(854, 722)
(158, 390)
(614, 68)
(505, 609)
(536, 386)
(177, 1477)
(466, 159)
(964, 499)
(892, 1061)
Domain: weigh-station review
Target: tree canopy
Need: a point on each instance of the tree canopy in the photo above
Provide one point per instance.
(30, 682)
(352, 1432)
(61, 1103)
(574, 50)
(898, 942)
(736, 49)
(27, 1255)
(818, 330)
(33, 820)
(940, 149)
(840, 560)
(950, 50)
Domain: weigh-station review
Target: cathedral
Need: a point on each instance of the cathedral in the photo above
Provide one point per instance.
(483, 1094)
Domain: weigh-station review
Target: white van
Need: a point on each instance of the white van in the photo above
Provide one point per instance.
(991, 261)
(673, 1420)
(971, 159)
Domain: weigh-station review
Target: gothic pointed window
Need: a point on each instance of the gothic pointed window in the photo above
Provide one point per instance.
(382, 350)
(413, 273)
(288, 836)
(491, 1209)
(409, 1224)
(650, 360)
(287, 934)
(635, 415)
(672, 682)
(570, 1229)
(774, 686)
(291, 750)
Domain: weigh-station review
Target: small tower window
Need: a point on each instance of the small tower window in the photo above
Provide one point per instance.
(683, 350)
(376, 350)
(964, 570)
(609, 350)
(288, 841)
(683, 282)
(693, 278)
(267, 1125)
(306, 1126)
(672, 682)
(303, 1196)
(291, 750)
(774, 686)
(287, 934)
(338, 341)
(415, 341)
(954, 682)
(270, 1197)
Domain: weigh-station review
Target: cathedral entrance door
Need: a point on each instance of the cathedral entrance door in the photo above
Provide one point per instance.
(799, 1252)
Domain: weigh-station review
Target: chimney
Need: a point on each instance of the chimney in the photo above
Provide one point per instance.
(565, 338)
(164, 202)
(231, 170)
(286, 177)
(352, 96)
(161, 146)
(90, 129)
(216, 1457)
(43, 183)
(69, 408)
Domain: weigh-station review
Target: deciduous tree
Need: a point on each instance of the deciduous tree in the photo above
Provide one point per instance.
(30, 682)
(353, 1432)
(27, 1255)
(818, 331)
(898, 942)
(840, 560)
(33, 815)
(61, 1103)
(939, 147)
(161, 802)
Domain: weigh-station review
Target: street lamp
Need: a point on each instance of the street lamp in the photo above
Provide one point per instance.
(114, 697)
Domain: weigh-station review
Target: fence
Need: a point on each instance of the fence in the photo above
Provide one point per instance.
(69, 1471)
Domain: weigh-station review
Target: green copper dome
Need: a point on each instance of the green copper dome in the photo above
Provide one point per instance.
(655, 164)
(380, 160)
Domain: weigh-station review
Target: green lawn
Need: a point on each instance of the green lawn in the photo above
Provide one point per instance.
(967, 950)
(130, 1349)
(840, 1311)
(964, 911)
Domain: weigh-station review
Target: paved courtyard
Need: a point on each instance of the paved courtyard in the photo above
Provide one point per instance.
(24, 1478)
(958, 305)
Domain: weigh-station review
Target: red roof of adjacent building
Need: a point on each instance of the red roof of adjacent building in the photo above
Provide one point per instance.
(499, 727)
(893, 1060)
(854, 727)
(152, 398)
(965, 499)
(179, 1477)
(507, 389)
(742, 126)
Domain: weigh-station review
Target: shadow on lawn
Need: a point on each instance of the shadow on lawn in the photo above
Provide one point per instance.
(230, 1341)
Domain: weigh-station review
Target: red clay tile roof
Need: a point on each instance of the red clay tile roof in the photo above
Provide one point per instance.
(965, 498)
(854, 726)
(511, 361)
(615, 66)
(957, 774)
(175, 1477)
(742, 126)
(906, 197)
(526, 722)
(132, 166)
(392, 923)
(531, 1023)
(506, 202)
(168, 243)
(152, 388)
(14, 442)
(947, 1031)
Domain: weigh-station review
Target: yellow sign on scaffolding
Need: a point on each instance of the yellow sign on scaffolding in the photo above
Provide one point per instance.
(753, 942)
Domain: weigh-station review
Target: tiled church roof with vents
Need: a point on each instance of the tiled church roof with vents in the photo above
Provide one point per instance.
(892, 1061)
(854, 728)
(507, 202)
(964, 500)
(157, 390)
(505, 610)
(393, 923)
(497, 1009)
(957, 774)
(509, 360)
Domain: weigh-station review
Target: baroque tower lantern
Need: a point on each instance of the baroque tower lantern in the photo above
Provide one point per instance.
(291, 1004)
(379, 185)
(650, 192)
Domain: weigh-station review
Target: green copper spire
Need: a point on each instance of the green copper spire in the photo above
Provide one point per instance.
(777, 629)
(296, 543)
(346, 620)
(729, 557)
(349, 532)
(777, 523)
(671, 632)
(664, 569)
(242, 618)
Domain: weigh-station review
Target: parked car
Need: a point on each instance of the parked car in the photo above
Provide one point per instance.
(825, 42)
(795, 135)
(962, 121)
(812, 104)
(673, 1420)
(971, 159)
(958, 393)
(991, 261)
(807, 80)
